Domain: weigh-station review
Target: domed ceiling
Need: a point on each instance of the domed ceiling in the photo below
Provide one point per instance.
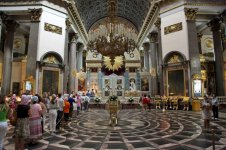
(134, 11)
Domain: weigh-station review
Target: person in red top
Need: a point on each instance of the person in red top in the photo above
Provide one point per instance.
(145, 102)
(66, 109)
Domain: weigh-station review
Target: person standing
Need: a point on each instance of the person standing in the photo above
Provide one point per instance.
(4, 111)
(22, 130)
(35, 120)
(92, 95)
(206, 113)
(53, 114)
(215, 105)
(60, 111)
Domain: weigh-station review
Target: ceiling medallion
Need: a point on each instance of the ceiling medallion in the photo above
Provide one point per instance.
(118, 62)
(112, 38)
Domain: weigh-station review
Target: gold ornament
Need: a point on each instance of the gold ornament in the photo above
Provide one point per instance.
(115, 64)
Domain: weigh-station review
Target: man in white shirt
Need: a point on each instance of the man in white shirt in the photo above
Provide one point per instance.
(60, 111)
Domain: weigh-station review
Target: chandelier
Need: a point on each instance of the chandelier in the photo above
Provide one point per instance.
(113, 37)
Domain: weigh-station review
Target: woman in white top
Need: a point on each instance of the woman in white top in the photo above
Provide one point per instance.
(206, 113)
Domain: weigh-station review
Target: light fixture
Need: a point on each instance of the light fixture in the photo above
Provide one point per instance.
(113, 37)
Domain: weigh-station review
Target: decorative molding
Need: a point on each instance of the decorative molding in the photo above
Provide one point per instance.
(174, 59)
(191, 13)
(147, 21)
(53, 28)
(173, 28)
(35, 14)
(77, 20)
(68, 23)
(51, 60)
(158, 23)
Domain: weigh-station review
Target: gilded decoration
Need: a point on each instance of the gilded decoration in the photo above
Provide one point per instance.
(208, 43)
(153, 72)
(118, 62)
(51, 60)
(74, 38)
(203, 74)
(173, 28)
(17, 43)
(196, 76)
(174, 59)
(35, 14)
(190, 13)
(53, 28)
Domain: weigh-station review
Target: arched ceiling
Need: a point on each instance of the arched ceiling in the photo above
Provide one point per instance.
(93, 10)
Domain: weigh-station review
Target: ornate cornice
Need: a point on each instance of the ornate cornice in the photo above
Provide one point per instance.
(147, 21)
(191, 13)
(35, 14)
(77, 20)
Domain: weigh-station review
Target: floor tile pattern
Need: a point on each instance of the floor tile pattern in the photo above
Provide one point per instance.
(168, 130)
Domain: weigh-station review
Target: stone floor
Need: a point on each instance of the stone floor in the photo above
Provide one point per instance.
(169, 130)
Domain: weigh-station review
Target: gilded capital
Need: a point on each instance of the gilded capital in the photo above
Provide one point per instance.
(153, 37)
(68, 23)
(191, 13)
(35, 14)
(74, 38)
(158, 23)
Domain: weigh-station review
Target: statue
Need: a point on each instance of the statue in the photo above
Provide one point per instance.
(132, 86)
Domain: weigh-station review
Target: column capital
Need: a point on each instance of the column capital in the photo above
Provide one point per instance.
(153, 37)
(35, 14)
(214, 24)
(158, 23)
(11, 25)
(3, 16)
(74, 38)
(191, 13)
(68, 23)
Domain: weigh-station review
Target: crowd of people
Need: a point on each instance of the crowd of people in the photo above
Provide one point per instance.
(28, 114)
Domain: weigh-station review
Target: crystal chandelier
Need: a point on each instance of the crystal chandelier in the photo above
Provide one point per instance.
(112, 38)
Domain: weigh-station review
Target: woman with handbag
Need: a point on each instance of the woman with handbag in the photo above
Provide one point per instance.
(4, 111)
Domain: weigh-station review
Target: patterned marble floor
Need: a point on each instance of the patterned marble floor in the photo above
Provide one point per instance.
(169, 130)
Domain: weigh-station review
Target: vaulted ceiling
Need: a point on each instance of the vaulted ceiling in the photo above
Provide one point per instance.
(134, 11)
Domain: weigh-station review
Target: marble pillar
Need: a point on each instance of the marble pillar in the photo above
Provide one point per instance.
(160, 60)
(219, 61)
(33, 43)
(193, 47)
(146, 60)
(66, 61)
(80, 57)
(8, 56)
(153, 37)
(88, 76)
(223, 17)
(73, 81)
(100, 77)
(138, 80)
(126, 75)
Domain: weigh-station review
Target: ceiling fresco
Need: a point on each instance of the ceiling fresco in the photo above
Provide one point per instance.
(134, 11)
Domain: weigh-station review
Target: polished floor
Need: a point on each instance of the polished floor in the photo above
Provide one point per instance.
(168, 130)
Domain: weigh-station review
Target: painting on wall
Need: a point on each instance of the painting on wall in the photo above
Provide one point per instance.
(144, 84)
(50, 81)
(176, 82)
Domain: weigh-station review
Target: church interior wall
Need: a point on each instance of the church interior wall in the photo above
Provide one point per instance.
(176, 41)
(50, 41)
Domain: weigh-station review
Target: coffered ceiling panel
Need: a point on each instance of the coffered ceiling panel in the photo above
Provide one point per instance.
(93, 10)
